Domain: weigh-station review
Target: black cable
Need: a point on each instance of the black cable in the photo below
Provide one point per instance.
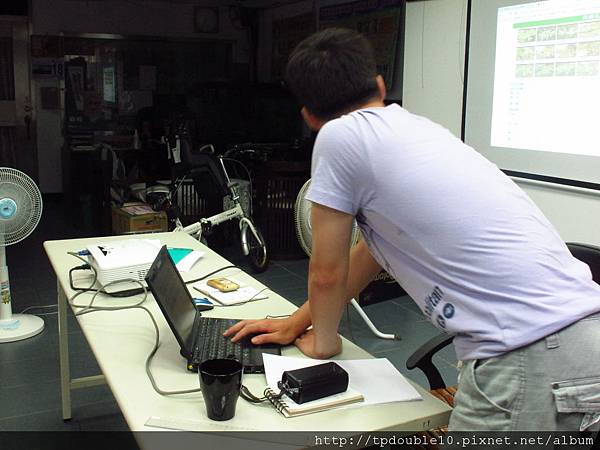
(121, 294)
(91, 286)
(250, 397)
(73, 269)
(212, 273)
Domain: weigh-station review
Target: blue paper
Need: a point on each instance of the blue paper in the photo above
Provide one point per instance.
(177, 254)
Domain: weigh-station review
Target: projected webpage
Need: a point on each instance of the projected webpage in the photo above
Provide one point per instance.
(547, 77)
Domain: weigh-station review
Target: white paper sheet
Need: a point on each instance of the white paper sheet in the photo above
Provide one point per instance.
(185, 265)
(376, 379)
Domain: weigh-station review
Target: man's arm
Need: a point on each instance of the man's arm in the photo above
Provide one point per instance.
(362, 269)
(327, 279)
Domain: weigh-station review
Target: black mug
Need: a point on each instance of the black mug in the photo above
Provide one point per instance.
(220, 381)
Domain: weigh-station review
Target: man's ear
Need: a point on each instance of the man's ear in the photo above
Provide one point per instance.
(313, 122)
(381, 87)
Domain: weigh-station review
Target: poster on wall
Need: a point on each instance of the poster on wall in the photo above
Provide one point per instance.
(378, 20)
(109, 88)
(287, 33)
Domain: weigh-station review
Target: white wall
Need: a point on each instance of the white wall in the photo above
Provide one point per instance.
(433, 80)
(434, 60)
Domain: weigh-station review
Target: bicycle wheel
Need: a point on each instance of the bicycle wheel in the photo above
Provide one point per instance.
(257, 249)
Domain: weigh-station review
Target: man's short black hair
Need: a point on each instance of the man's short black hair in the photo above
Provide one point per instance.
(332, 71)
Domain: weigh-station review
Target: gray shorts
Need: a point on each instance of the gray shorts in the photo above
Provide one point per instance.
(550, 385)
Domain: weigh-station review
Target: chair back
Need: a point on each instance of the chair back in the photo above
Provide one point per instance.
(588, 254)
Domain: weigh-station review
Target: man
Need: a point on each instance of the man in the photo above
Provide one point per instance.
(464, 241)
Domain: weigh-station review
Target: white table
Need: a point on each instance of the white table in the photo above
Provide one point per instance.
(121, 341)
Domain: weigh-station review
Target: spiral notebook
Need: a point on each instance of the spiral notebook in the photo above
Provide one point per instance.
(290, 408)
(372, 381)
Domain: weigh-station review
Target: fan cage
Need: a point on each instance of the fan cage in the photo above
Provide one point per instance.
(19, 187)
(302, 219)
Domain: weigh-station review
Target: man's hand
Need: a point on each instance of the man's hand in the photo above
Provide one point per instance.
(268, 331)
(307, 345)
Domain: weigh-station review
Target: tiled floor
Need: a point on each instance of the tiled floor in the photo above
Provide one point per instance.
(29, 392)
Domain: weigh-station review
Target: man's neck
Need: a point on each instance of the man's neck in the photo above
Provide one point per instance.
(373, 104)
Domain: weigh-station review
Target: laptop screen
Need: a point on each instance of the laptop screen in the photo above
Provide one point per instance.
(172, 296)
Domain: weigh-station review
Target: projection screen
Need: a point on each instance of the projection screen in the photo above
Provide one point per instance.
(533, 90)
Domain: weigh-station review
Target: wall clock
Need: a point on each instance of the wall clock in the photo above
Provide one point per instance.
(206, 19)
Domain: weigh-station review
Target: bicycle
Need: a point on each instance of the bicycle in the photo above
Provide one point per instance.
(252, 241)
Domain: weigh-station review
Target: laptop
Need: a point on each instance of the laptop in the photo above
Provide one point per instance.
(200, 338)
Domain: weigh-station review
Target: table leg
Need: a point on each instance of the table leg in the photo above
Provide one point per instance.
(63, 348)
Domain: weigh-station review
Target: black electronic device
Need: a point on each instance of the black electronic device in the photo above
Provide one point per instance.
(200, 338)
(314, 382)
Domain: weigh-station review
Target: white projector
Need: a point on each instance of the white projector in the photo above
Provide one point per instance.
(118, 262)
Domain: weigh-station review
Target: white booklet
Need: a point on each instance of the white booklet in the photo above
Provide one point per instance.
(376, 379)
(290, 408)
(243, 294)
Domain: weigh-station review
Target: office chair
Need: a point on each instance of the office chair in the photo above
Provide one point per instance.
(422, 357)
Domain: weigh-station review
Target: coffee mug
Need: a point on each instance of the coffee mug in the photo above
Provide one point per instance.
(220, 381)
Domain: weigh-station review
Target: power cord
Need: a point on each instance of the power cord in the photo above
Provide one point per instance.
(251, 299)
(212, 273)
(29, 308)
(90, 308)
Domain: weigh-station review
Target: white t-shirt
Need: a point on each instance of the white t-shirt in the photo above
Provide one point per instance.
(466, 243)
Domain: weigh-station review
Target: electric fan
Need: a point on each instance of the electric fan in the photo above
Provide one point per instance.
(20, 212)
(304, 232)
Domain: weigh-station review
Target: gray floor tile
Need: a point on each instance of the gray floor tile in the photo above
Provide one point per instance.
(101, 416)
(297, 295)
(45, 396)
(45, 369)
(280, 284)
(297, 266)
(22, 297)
(29, 399)
(44, 344)
(51, 323)
(47, 296)
(39, 421)
(274, 271)
(405, 299)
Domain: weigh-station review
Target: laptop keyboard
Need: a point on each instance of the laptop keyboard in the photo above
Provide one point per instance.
(213, 345)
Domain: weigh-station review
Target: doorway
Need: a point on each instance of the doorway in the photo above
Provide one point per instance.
(17, 118)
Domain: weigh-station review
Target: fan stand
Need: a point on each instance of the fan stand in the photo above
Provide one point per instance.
(371, 325)
(14, 327)
(19, 327)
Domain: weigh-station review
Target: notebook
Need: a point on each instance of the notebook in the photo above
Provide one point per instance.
(241, 295)
(289, 408)
(274, 368)
(376, 379)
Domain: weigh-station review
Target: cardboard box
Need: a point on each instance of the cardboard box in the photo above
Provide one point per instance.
(138, 218)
